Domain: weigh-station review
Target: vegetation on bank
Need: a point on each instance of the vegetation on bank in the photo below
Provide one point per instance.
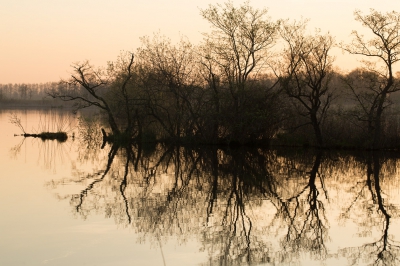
(252, 81)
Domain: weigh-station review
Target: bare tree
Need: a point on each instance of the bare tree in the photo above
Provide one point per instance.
(89, 86)
(383, 50)
(170, 83)
(308, 72)
(236, 51)
(15, 120)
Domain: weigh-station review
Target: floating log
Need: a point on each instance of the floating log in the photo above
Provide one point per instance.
(59, 136)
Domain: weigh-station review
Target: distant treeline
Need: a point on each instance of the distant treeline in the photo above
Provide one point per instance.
(24, 91)
(28, 95)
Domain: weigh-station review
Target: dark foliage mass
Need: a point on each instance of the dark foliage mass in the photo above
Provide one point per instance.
(251, 81)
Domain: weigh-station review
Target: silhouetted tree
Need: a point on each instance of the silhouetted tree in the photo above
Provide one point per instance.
(236, 51)
(307, 73)
(170, 84)
(89, 86)
(383, 48)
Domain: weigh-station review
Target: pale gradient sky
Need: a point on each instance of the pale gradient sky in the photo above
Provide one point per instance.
(40, 39)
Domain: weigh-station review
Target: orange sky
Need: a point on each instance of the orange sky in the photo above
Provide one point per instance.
(41, 38)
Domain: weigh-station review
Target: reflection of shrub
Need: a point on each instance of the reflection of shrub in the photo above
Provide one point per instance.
(89, 129)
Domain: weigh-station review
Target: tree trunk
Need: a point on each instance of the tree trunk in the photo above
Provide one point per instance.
(317, 130)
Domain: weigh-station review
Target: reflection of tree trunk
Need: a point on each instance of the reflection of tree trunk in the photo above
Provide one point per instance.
(214, 184)
(381, 207)
(239, 219)
(111, 155)
(124, 183)
(382, 251)
(306, 226)
(376, 172)
(313, 195)
(313, 215)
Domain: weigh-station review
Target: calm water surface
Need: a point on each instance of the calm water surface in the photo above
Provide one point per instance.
(74, 203)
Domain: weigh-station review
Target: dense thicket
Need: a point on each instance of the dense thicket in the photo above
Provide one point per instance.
(251, 81)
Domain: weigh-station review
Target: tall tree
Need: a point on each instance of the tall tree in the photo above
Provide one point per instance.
(307, 73)
(237, 50)
(383, 50)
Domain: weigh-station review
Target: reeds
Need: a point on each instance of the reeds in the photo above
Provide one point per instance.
(53, 123)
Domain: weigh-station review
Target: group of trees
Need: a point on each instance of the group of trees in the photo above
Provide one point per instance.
(251, 80)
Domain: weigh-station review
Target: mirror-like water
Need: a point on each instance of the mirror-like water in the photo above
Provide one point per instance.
(73, 203)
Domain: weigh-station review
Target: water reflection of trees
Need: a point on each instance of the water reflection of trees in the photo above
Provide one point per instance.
(371, 199)
(246, 206)
(238, 182)
(302, 217)
(215, 194)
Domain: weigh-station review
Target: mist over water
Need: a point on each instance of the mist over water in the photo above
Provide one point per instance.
(73, 203)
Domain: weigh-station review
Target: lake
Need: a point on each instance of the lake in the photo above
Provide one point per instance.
(76, 203)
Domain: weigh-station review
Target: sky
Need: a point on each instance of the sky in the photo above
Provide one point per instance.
(41, 39)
